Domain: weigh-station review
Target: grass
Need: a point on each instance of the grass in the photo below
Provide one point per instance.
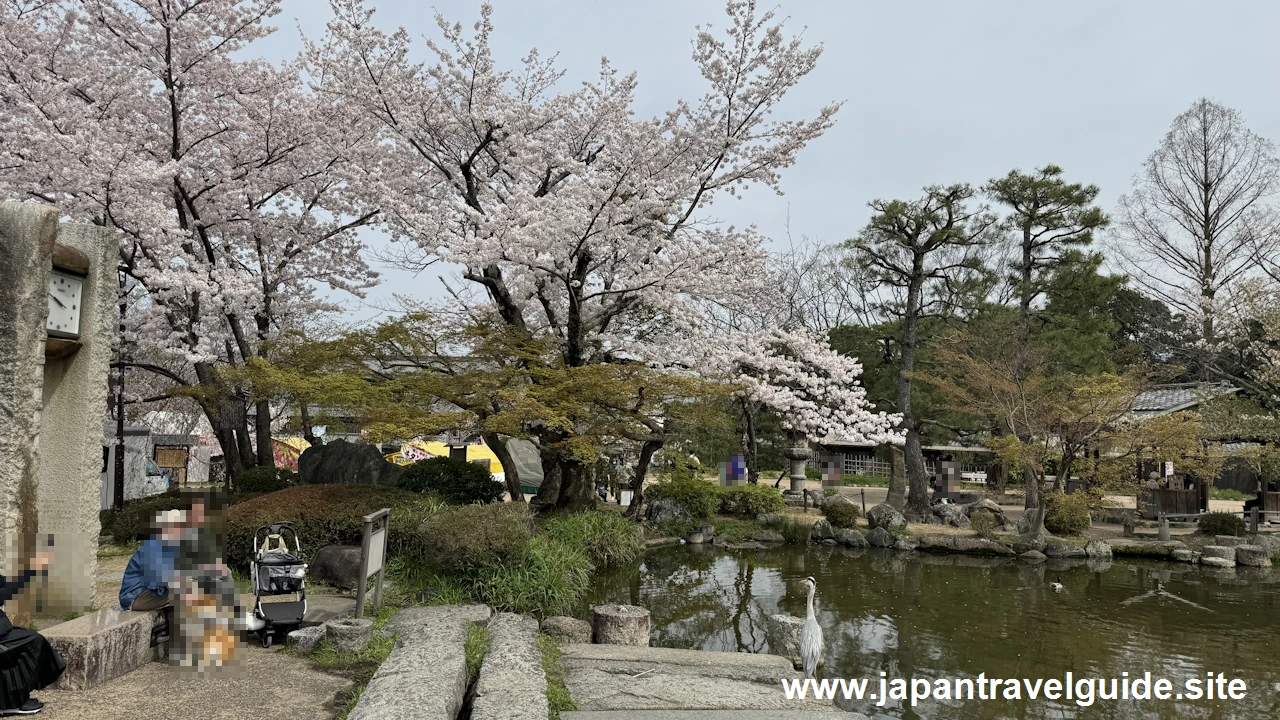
(558, 699)
(1228, 494)
(794, 532)
(357, 666)
(476, 648)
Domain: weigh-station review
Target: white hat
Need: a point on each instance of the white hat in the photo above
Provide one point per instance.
(171, 517)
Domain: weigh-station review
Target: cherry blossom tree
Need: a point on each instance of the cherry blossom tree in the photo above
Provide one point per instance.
(578, 220)
(229, 182)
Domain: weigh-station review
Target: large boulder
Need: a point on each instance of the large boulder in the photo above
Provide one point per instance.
(879, 537)
(766, 536)
(340, 462)
(1219, 551)
(884, 516)
(966, 545)
(983, 504)
(1097, 549)
(852, 538)
(1217, 562)
(838, 499)
(1270, 542)
(336, 565)
(1059, 548)
(1252, 556)
(782, 634)
(666, 509)
(951, 514)
(821, 531)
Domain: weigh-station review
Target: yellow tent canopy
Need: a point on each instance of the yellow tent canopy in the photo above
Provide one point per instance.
(416, 450)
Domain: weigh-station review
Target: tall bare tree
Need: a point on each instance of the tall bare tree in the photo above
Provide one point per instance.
(926, 254)
(1188, 230)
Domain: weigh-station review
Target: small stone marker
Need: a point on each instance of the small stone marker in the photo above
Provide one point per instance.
(305, 639)
(351, 634)
(782, 634)
(620, 625)
(567, 629)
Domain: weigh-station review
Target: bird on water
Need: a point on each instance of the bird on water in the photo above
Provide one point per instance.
(1057, 586)
(810, 635)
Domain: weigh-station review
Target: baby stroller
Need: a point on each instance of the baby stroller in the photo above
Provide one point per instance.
(276, 570)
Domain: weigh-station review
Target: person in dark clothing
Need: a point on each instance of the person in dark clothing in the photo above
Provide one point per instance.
(27, 661)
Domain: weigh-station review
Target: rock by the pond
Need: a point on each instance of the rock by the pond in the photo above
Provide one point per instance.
(1143, 548)
(879, 537)
(1229, 540)
(768, 518)
(852, 538)
(1185, 555)
(905, 543)
(746, 545)
(766, 536)
(341, 462)
(662, 542)
(816, 498)
(620, 625)
(1097, 549)
(1026, 544)
(951, 514)
(821, 531)
(967, 545)
(1218, 551)
(701, 534)
(567, 629)
(336, 565)
(1252, 556)
(1059, 548)
(1033, 555)
(305, 639)
(1270, 542)
(782, 634)
(666, 510)
(351, 634)
(983, 504)
(1217, 562)
(884, 516)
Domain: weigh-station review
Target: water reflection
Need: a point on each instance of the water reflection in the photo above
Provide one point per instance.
(935, 616)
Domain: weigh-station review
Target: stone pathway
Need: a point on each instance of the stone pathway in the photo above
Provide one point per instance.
(629, 678)
(425, 676)
(512, 685)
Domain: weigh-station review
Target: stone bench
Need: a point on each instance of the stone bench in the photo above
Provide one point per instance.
(104, 645)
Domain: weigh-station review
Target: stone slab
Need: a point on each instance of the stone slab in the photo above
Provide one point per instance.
(704, 715)
(618, 677)
(102, 646)
(512, 684)
(425, 676)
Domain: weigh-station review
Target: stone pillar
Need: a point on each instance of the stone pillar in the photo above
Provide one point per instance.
(897, 478)
(798, 454)
(51, 426)
(620, 625)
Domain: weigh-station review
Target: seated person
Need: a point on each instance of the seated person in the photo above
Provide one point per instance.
(27, 661)
(153, 566)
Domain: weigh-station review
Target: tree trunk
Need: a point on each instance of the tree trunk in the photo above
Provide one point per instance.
(510, 474)
(917, 478)
(549, 491)
(304, 416)
(996, 476)
(751, 449)
(1064, 471)
(642, 468)
(577, 489)
(918, 495)
(1032, 482)
(262, 428)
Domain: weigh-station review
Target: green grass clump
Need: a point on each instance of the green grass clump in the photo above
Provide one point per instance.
(793, 532)
(609, 538)
(476, 648)
(750, 500)
(547, 581)
(1228, 494)
(558, 699)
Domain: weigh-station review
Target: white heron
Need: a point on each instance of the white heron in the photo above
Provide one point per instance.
(810, 635)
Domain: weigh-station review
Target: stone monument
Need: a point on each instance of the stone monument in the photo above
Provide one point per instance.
(58, 291)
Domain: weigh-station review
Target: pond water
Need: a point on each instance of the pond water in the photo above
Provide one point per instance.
(946, 616)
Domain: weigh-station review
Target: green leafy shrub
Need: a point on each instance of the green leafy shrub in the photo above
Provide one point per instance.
(983, 522)
(750, 500)
(474, 537)
(842, 515)
(137, 517)
(265, 480)
(1221, 523)
(329, 514)
(456, 481)
(1067, 514)
(608, 538)
(829, 492)
(699, 497)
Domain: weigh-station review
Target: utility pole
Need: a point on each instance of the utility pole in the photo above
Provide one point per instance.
(118, 488)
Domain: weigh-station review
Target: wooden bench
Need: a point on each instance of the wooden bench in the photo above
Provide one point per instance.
(104, 645)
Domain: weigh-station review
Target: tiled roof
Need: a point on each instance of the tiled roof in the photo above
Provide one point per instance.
(1168, 398)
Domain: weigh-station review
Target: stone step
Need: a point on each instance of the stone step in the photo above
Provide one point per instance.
(630, 678)
(704, 715)
(425, 676)
(512, 684)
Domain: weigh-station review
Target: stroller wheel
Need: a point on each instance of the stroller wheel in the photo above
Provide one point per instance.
(266, 639)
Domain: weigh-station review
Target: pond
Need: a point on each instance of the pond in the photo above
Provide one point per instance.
(918, 615)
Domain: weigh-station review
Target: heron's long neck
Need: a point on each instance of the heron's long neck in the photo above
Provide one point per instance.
(811, 589)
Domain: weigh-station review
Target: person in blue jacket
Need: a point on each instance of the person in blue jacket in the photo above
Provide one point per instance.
(153, 566)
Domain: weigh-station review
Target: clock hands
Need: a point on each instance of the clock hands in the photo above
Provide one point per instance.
(55, 299)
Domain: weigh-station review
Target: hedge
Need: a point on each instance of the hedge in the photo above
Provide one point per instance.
(699, 497)
(751, 500)
(329, 514)
(265, 480)
(456, 481)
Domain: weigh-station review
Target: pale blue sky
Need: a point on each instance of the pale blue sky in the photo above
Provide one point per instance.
(935, 92)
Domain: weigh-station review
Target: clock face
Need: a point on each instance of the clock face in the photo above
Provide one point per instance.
(65, 300)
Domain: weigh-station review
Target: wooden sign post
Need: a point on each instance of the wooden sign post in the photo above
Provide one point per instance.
(373, 556)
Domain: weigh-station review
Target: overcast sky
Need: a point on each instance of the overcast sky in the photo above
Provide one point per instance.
(934, 92)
